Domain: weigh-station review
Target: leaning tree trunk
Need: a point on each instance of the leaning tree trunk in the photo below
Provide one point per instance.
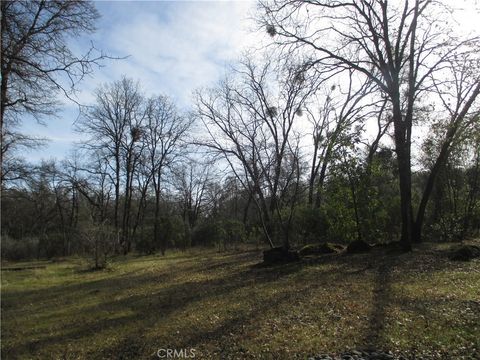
(440, 162)
(418, 223)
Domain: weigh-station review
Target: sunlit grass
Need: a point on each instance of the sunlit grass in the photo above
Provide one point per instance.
(226, 306)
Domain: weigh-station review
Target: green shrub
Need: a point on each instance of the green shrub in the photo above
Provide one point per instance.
(144, 241)
(171, 229)
(176, 236)
(311, 224)
(208, 233)
(19, 249)
(234, 232)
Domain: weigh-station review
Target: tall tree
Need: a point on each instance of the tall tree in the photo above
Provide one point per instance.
(398, 46)
(251, 121)
(113, 126)
(165, 132)
(333, 115)
(457, 97)
(191, 180)
(37, 62)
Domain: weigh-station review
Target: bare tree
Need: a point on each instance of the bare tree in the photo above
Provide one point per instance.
(114, 126)
(132, 152)
(457, 96)
(251, 125)
(165, 131)
(191, 181)
(143, 179)
(36, 61)
(92, 181)
(99, 239)
(14, 167)
(399, 47)
(342, 107)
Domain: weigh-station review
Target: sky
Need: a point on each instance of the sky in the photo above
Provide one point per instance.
(173, 48)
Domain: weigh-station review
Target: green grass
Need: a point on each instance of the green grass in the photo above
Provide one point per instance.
(226, 306)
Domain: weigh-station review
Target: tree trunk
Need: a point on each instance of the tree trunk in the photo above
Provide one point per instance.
(245, 210)
(3, 91)
(141, 208)
(321, 178)
(355, 207)
(156, 226)
(439, 163)
(402, 148)
(117, 191)
(265, 218)
(313, 174)
(472, 196)
(418, 224)
(126, 210)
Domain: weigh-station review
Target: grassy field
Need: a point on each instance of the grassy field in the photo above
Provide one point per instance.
(224, 305)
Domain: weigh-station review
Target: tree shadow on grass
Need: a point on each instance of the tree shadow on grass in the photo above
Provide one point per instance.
(143, 300)
(390, 269)
(381, 299)
(116, 282)
(119, 297)
(220, 334)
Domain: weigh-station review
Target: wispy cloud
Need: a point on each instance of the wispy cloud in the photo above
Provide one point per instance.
(173, 48)
(180, 46)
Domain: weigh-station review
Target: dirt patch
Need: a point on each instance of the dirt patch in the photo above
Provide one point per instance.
(280, 255)
(465, 253)
(19, 268)
(358, 246)
(319, 249)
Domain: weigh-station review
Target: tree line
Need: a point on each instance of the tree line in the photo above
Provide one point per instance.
(360, 121)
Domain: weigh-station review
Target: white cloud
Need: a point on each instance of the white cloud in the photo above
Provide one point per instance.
(181, 47)
(174, 48)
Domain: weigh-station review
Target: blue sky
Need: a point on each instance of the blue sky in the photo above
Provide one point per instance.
(173, 48)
